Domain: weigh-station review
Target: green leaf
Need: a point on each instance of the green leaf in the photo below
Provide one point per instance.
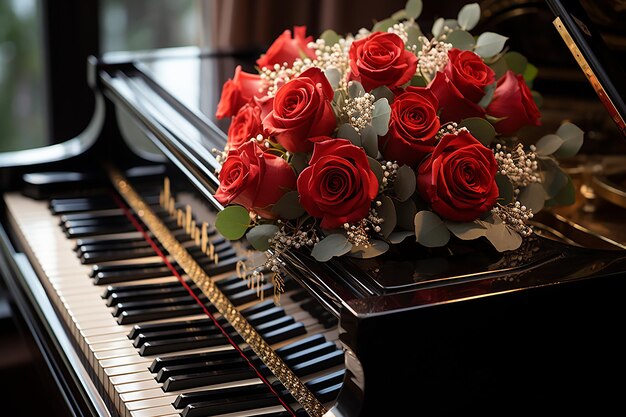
(506, 189)
(288, 206)
(430, 230)
(467, 230)
(533, 196)
(413, 33)
(441, 23)
(399, 15)
(383, 25)
(418, 81)
(377, 169)
(347, 131)
(380, 117)
(332, 245)
(299, 161)
(516, 62)
(387, 211)
(537, 98)
(461, 39)
(480, 129)
(567, 195)
(333, 76)
(397, 237)
(383, 92)
(330, 37)
(500, 67)
(573, 138)
(530, 73)
(549, 144)
(259, 236)
(369, 141)
(232, 222)
(489, 92)
(413, 9)
(437, 27)
(554, 179)
(404, 185)
(355, 89)
(374, 249)
(489, 44)
(503, 238)
(469, 15)
(405, 214)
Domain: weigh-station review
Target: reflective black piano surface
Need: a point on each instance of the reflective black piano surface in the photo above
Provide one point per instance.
(425, 331)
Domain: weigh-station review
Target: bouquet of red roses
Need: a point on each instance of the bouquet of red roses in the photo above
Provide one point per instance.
(349, 144)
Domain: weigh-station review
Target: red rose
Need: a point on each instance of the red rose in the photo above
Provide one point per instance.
(237, 92)
(412, 127)
(254, 179)
(301, 110)
(380, 59)
(462, 85)
(514, 101)
(453, 106)
(245, 125)
(286, 49)
(458, 178)
(469, 74)
(338, 186)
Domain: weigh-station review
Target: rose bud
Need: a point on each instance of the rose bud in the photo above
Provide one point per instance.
(286, 49)
(338, 186)
(514, 102)
(238, 91)
(413, 126)
(380, 59)
(300, 110)
(458, 178)
(245, 125)
(254, 179)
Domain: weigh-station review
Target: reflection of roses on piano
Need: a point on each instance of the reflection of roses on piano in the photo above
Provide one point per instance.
(349, 144)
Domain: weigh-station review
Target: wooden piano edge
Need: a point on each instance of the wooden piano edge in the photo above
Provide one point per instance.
(58, 350)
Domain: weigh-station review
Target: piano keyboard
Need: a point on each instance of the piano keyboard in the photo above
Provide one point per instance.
(147, 343)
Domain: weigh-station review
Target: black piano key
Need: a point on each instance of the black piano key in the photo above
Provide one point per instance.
(305, 343)
(88, 258)
(76, 207)
(288, 332)
(181, 382)
(158, 313)
(68, 223)
(123, 267)
(111, 241)
(112, 277)
(227, 405)
(310, 353)
(132, 244)
(275, 324)
(322, 382)
(329, 394)
(198, 367)
(213, 394)
(158, 347)
(318, 364)
(85, 216)
(145, 295)
(139, 288)
(161, 362)
(251, 295)
(76, 232)
(204, 328)
(300, 296)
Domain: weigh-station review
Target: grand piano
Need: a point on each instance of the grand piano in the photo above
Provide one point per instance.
(91, 254)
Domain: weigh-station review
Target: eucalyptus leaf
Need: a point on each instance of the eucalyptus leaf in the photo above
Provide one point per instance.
(554, 179)
(347, 131)
(467, 230)
(288, 206)
(533, 196)
(332, 245)
(503, 238)
(380, 117)
(437, 28)
(399, 236)
(404, 185)
(548, 144)
(506, 189)
(567, 195)
(383, 25)
(386, 211)
(355, 89)
(516, 62)
(530, 73)
(260, 235)
(334, 77)
(489, 44)
(418, 81)
(489, 92)
(500, 67)
(330, 37)
(413, 33)
(413, 9)
(374, 249)
(573, 138)
(377, 169)
(299, 161)
(469, 15)
(480, 129)
(461, 39)
(399, 15)
(405, 214)
(369, 141)
(232, 222)
(430, 230)
(383, 92)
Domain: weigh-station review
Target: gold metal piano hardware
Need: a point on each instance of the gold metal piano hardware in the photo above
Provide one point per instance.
(591, 76)
(260, 347)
